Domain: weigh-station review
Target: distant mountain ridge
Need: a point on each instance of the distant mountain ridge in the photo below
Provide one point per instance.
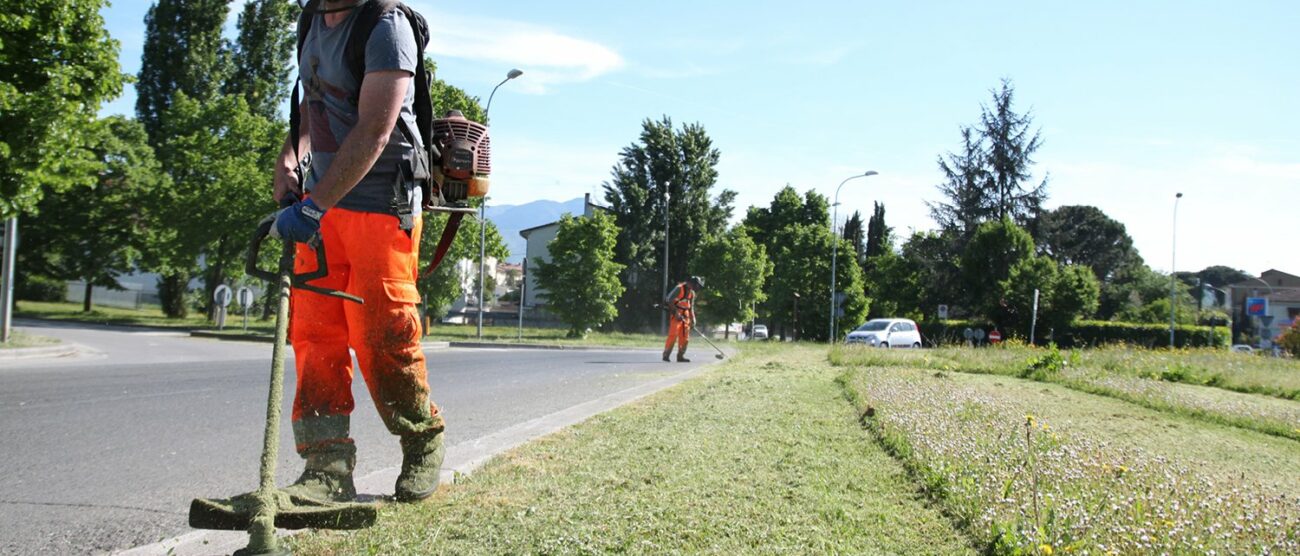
(511, 219)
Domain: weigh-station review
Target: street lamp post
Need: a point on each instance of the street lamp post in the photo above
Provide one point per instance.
(482, 220)
(509, 75)
(835, 245)
(663, 316)
(1173, 266)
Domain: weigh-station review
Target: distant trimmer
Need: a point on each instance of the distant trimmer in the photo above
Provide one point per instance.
(706, 339)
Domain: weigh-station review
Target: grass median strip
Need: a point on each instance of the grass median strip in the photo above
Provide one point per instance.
(759, 455)
(1154, 379)
(1034, 468)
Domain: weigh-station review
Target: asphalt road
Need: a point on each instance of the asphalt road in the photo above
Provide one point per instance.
(103, 452)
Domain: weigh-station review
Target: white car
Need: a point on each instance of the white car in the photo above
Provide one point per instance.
(759, 333)
(900, 333)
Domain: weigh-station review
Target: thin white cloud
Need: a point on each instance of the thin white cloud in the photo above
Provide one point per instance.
(547, 56)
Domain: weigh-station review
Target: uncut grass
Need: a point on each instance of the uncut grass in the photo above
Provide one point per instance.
(1110, 477)
(761, 455)
(1081, 370)
(19, 339)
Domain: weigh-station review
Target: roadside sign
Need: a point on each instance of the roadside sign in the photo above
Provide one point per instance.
(245, 296)
(979, 334)
(968, 333)
(1256, 306)
(222, 295)
(943, 312)
(995, 336)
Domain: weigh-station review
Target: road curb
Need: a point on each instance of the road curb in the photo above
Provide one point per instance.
(63, 350)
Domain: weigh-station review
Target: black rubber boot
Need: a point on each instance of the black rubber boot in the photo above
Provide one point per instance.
(666, 352)
(327, 477)
(681, 356)
(422, 455)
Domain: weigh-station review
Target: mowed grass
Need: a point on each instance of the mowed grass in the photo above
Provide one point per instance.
(1034, 468)
(511, 335)
(759, 455)
(1158, 379)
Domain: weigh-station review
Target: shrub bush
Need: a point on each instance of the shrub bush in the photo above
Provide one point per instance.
(1095, 333)
(40, 288)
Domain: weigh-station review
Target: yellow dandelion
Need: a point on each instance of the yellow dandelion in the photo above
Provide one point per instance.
(1029, 419)
(1045, 549)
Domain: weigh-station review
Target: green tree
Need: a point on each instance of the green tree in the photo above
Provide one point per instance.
(1010, 150)
(92, 234)
(1076, 295)
(895, 287)
(1084, 235)
(800, 266)
(995, 249)
(1222, 276)
(183, 52)
(878, 233)
(582, 278)
(262, 55)
(1015, 295)
(966, 177)
(734, 270)
(57, 65)
(854, 233)
(683, 164)
(220, 155)
(447, 283)
(935, 262)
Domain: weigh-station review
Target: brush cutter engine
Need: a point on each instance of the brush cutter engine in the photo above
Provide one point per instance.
(462, 169)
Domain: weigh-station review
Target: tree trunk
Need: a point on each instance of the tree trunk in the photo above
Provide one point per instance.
(85, 300)
(171, 292)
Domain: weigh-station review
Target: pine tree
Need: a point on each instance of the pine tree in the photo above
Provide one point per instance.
(1010, 149)
(968, 204)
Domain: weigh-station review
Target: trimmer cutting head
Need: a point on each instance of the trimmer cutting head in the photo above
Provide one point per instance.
(291, 512)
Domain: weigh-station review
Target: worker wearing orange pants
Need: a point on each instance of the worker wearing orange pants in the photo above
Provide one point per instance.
(370, 257)
(681, 306)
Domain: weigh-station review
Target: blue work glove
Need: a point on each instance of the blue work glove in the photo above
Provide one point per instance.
(300, 222)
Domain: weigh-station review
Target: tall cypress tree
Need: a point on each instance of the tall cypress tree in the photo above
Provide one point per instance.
(878, 234)
(854, 235)
(263, 54)
(183, 52)
(682, 163)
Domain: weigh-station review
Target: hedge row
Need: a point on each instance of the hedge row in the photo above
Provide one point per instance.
(1088, 334)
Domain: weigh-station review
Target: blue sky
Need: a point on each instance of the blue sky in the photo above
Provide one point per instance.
(1136, 101)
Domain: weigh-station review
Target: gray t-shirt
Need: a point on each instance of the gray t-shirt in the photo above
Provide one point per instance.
(330, 91)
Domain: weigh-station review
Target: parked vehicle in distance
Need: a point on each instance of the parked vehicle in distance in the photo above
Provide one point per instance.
(759, 332)
(900, 333)
(1243, 348)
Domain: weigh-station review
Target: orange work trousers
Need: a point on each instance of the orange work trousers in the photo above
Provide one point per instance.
(369, 256)
(679, 332)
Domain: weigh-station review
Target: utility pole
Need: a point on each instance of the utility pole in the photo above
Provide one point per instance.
(482, 252)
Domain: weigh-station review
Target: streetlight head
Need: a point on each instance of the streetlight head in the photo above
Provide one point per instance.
(871, 173)
(514, 73)
(1178, 196)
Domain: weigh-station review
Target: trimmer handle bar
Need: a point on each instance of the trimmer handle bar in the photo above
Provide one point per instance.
(286, 263)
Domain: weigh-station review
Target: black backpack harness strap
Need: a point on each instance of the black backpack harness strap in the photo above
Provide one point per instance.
(416, 170)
